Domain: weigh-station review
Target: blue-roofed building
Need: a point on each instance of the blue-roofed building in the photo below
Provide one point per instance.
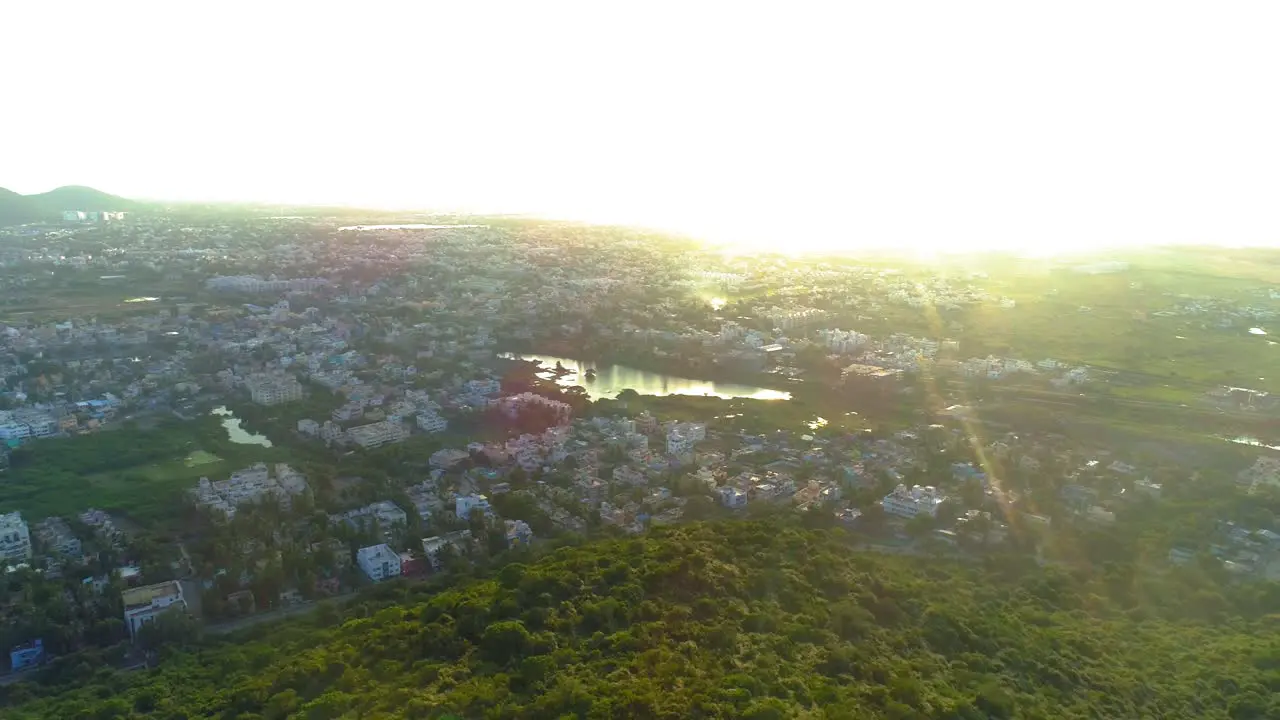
(26, 656)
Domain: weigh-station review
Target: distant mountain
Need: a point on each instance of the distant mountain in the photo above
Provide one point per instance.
(16, 209)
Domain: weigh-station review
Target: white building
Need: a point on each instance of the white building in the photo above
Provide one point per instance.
(15, 538)
(464, 504)
(273, 389)
(379, 562)
(430, 422)
(910, 503)
(682, 437)
(142, 605)
(377, 434)
(307, 426)
(252, 484)
(512, 405)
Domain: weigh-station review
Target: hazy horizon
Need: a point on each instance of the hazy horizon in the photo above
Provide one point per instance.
(976, 126)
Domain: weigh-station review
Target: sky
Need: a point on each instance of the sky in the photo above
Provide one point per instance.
(935, 126)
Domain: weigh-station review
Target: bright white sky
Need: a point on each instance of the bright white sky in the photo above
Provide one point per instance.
(932, 125)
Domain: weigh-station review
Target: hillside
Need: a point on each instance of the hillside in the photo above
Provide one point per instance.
(760, 619)
(16, 209)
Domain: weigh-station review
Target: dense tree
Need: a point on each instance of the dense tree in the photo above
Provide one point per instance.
(760, 619)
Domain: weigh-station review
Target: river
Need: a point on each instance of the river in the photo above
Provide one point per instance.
(238, 434)
(609, 380)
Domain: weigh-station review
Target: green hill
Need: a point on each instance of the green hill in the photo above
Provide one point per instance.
(760, 619)
(16, 209)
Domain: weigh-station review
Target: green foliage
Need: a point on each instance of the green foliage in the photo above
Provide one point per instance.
(741, 619)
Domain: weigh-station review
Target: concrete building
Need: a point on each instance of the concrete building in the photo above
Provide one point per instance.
(732, 497)
(310, 427)
(144, 604)
(377, 434)
(430, 422)
(15, 538)
(379, 562)
(433, 547)
(252, 484)
(56, 536)
(682, 437)
(518, 533)
(384, 513)
(915, 501)
(273, 389)
(464, 504)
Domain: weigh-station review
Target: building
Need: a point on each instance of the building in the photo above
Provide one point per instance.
(252, 484)
(379, 562)
(144, 604)
(447, 458)
(434, 547)
(377, 434)
(518, 533)
(430, 422)
(732, 497)
(307, 426)
(682, 437)
(384, 513)
(560, 413)
(15, 538)
(273, 389)
(910, 503)
(56, 537)
(25, 656)
(464, 504)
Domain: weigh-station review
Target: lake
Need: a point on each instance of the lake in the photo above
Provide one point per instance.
(610, 380)
(239, 435)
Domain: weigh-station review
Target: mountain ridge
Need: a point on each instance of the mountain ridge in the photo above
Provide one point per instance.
(17, 209)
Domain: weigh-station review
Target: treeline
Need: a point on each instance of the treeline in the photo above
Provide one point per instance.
(745, 619)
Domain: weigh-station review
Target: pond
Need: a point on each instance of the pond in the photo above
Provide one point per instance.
(606, 381)
(238, 434)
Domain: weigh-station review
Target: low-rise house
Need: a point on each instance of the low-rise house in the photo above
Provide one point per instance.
(465, 504)
(731, 497)
(434, 547)
(518, 533)
(144, 604)
(22, 657)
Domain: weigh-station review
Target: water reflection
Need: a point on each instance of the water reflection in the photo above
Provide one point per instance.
(1251, 441)
(239, 435)
(606, 381)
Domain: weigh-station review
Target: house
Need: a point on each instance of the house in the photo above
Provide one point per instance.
(307, 426)
(379, 562)
(910, 503)
(375, 435)
(447, 458)
(144, 604)
(15, 538)
(464, 504)
(411, 566)
(26, 656)
(732, 497)
(518, 533)
(432, 547)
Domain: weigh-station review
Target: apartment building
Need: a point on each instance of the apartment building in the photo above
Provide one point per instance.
(378, 434)
(682, 437)
(273, 389)
(430, 422)
(909, 503)
(464, 504)
(252, 484)
(15, 538)
(56, 536)
(379, 562)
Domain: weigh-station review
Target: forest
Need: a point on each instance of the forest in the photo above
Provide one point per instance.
(770, 618)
